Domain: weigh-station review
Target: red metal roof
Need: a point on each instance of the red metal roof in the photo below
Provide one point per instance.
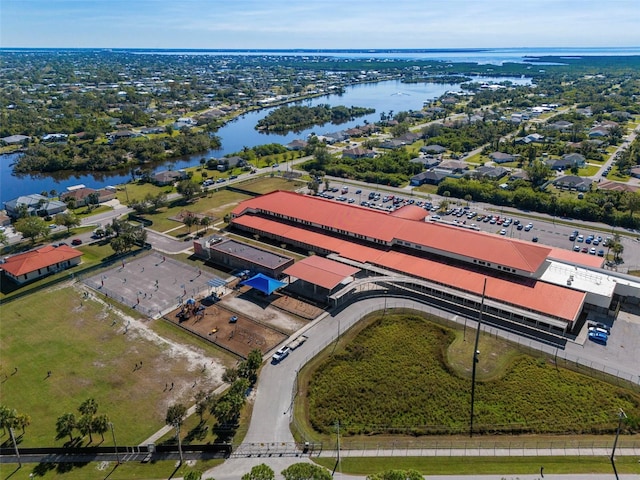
(321, 271)
(449, 240)
(410, 212)
(538, 296)
(44, 257)
(576, 257)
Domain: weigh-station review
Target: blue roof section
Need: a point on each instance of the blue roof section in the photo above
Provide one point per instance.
(263, 283)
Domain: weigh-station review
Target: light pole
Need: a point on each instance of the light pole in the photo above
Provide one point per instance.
(621, 416)
(115, 445)
(476, 353)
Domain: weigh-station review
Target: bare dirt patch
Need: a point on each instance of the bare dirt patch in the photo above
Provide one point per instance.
(241, 336)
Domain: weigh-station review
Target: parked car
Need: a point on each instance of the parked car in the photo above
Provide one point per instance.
(598, 337)
(233, 319)
(76, 242)
(602, 326)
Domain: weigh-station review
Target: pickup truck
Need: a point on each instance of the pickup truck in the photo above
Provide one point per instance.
(280, 355)
(284, 352)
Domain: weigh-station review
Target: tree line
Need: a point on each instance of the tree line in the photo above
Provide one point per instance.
(296, 117)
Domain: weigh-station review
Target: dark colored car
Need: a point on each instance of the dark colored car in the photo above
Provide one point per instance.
(76, 241)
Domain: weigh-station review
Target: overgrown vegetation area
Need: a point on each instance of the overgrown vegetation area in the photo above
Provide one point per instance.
(394, 378)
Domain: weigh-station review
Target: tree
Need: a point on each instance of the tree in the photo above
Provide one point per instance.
(260, 472)
(230, 375)
(632, 202)
(396, 475)
(193, 475)
(32, 227)
(88, 407)
(4, 240)
(85, 425)
(190, 220)
(538, 172)
(188, 189)
(66, 219)
(65, 425)
(7, 417)
(205, 222)
(22, 421)
(100, 424)
(306, 471)
(176, 414)
(93, 200)
(617, 248)
(202, 402)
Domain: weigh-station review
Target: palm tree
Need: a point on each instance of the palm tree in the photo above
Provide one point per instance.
(23, 420)
(205, 222)
(100, 424)
(88, 407)
(65, 425)
(85, 425)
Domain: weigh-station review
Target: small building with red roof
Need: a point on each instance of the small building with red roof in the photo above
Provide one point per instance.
(320, 275)
(28, 266)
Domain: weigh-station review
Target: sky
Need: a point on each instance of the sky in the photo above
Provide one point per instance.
(319, 24)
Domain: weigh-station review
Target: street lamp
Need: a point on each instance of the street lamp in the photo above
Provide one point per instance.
(476, 354)
(115, 445)
(621, 416)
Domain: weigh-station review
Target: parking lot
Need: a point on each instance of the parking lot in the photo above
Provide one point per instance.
(551, 231)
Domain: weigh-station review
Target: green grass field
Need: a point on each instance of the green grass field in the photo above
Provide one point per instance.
(394, 377)
(100, 471)
(83, 344)
(482, 465)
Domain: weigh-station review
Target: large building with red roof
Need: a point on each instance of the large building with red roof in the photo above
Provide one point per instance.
(532, 284)
(40, 262)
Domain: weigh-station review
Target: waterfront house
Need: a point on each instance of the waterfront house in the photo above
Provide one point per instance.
(34, 204)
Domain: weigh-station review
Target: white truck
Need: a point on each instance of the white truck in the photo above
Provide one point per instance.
(284, 352)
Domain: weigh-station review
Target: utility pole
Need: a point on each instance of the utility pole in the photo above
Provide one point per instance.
(476, 353)
(179, 443)
(15, 446)
(621, 416)
(115, 445)
(338, 441)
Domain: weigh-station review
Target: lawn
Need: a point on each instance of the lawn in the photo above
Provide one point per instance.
(481, 465)
(264, 185)
(91, 352)
(393, 377)
(102, 470)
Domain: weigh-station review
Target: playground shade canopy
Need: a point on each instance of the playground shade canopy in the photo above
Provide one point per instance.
(265, 284)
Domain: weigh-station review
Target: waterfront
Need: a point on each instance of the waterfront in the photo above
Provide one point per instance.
(383, 97)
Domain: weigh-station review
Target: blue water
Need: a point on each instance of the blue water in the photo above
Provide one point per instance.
(383, 97)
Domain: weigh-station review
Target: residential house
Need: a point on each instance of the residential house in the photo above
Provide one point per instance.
(453, 166)
(55, 137)
(34, 204)
(560, 125)
(15, 139)
(618, 186)
(573, 182)
(568, 160)
(38, 263)
(635, 172)
(81, 195)
(598, 131)
(492, 173)
(433, 149)
(432, 177)
(168, 177)
(297, 145)
(531, 138)
(393, 144)
(501, 157)
(519, 175)
(358, 152)
(231, 162)
(427, 161)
